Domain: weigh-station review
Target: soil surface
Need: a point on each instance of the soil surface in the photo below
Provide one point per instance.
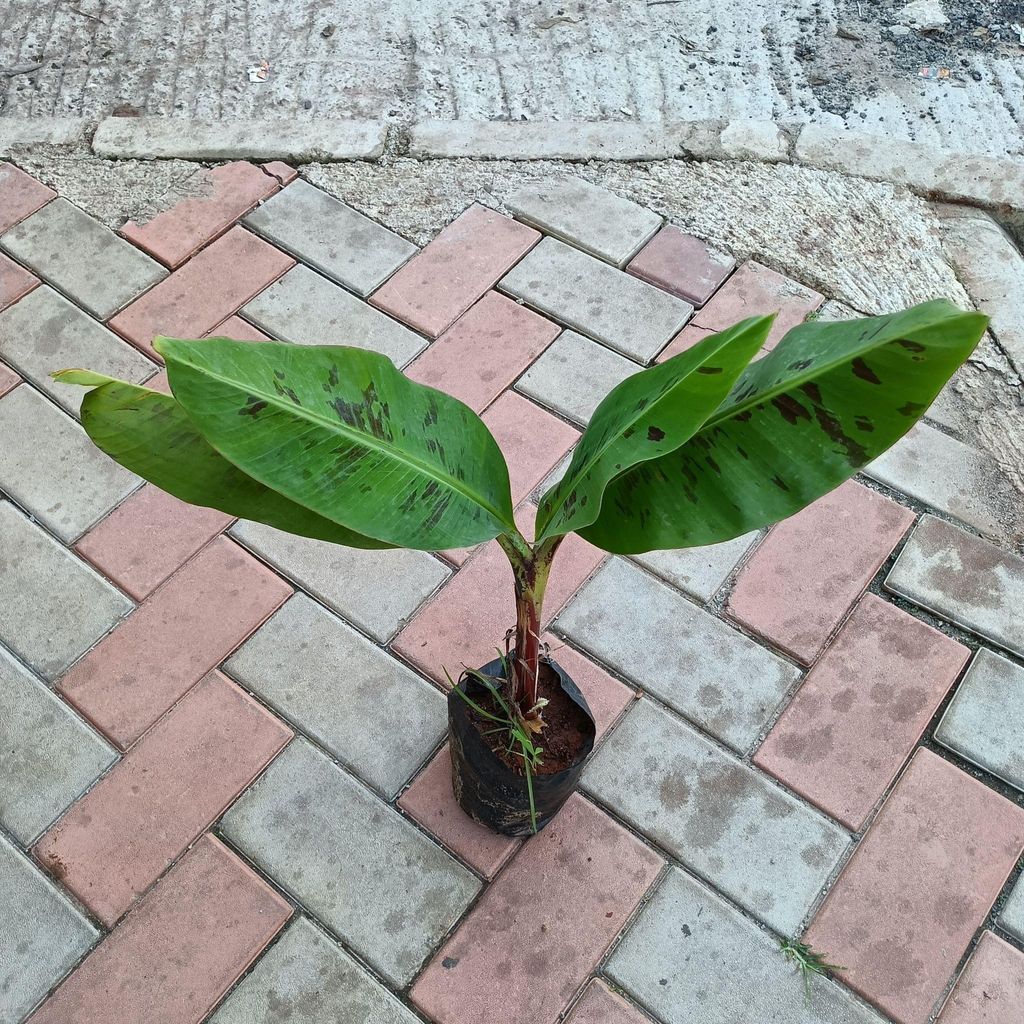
(566, 729)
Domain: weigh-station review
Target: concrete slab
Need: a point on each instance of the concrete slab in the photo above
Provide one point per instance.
(371, 876)
(721, 819)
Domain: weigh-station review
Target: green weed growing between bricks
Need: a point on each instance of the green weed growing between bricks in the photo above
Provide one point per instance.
(334, 443)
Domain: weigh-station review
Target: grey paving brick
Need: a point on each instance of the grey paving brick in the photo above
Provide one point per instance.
(985, 720)
(587, 216)
(82, 258)
(698, 572)
(1011, 917)
(307, 978)
(947, 474)
(45, 332)
(305, 308)
(963, 579)
(53, 607)
(692, 957)
(607, 304)
(326, 234)
(722, 819)
(707, 671)
(342, 690)
(50, 756)
(42, 938)
(379, 591)
(50, 467)
(368, 874)
(573, 376)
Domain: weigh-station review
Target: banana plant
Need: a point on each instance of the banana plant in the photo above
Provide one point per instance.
(333, 442)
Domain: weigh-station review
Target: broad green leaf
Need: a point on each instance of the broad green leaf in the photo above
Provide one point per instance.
(340, 431)
(646, 416)
(830, 398)
(150, 434)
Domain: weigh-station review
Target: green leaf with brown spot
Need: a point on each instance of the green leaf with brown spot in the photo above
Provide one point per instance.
(343, 433)
(830, 398)
(648, 415)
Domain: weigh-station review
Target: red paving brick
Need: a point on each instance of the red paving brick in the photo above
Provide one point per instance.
(862, 708)
(284, 174)
(754, 290)
(810, 569)
(148, 537)
(175, 955)
(991, 988)
(20, 195)
(904, 910)
(542, 927)
(15, 282)
(466, 622)
(682, 265)
(484, 351)
(222, 195)
(187, 627)
(685, 339)
(600, 1005)
(8, 379)
(204, 292)
(440, 283)
(608, 698)
(174, 783)
(239, 329)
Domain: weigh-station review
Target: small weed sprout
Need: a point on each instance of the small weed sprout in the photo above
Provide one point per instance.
(807, 962)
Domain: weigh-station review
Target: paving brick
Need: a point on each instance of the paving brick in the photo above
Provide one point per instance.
(43, 935)
(9, 380)
(50, 756)
(574, 375)
(810, 569)
(754, 290)
(213, 198)
(685, 339)
(699, 572)
(455, 269)
(172, 959)
(303, 651)
(284, 173)
(613, 307)
(600, 1005)
(368, 874)
(203, 292)
(861, 710)
(148, 537)
(15, 281)
(53, 607)
(52, 469)
(695, 663)
(985, 720)
(82, 258)
(44, 332)
(239, 329)
(484, 351)
(595, 873)
(692, 957)
(912, 861)
(682, 265)
(724, 821)
(331, 237)
(1011, 918)
(964, 579)
(306, 978)
(188, 626)
(378, 591)
(608, 698)
(464, 625)
(20, 195)
(991, 988)
(174, 783)
(587, 216)
(947, 474)
(305, 308)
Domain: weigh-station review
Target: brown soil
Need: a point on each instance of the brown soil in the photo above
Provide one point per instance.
(565, 734)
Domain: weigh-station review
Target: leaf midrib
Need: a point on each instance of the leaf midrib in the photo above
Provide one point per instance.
(344, 430)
